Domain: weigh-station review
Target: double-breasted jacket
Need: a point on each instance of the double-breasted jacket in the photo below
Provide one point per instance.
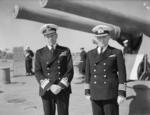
(52, 67)
(105, 74)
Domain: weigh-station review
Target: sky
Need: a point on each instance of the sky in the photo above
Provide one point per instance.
(19, 32)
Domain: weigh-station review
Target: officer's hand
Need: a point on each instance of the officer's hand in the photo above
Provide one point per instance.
(88, 97)
(58, 89)
(65, 81)
(120, 99)
(55, 89)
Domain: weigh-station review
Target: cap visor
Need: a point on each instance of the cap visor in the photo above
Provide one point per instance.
(101, 35)
(50, 32)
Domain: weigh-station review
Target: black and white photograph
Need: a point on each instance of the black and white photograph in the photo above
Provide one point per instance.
(74, 57)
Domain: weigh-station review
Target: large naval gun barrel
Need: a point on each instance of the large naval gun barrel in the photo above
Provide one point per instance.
(63, 19)
(72, 21)
(53, 16)
(90, 10)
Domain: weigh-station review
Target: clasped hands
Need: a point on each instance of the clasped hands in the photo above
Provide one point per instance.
(55, 89)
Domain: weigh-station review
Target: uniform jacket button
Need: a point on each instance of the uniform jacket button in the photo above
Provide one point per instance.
(48, 73)
(94, 82)
(95, 76)
(105, 76)
(48, 68)
(104, 82)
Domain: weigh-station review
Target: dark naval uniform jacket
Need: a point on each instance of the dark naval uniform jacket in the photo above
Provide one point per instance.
(105, 74)
(52, 67)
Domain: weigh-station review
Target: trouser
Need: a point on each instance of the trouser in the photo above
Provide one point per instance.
(105, 107)
(50, 101)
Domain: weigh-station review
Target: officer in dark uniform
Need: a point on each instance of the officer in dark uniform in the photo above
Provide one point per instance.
(105, 74)
(28, 61)
(82, 61)
(54, 73)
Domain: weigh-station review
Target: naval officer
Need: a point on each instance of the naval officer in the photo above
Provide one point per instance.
(105, 83)
(54, 72)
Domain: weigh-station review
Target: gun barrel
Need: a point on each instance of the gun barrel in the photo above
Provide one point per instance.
(68, 20)
(90, 10)
(60, 18)
(53, 16)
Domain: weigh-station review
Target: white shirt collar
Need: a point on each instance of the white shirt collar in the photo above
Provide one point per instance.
(99, 49)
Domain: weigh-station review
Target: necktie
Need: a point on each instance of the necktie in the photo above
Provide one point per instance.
(52, 49)
(101, 50)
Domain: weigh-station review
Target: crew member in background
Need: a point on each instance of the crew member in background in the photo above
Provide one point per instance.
(82, 63)
(28, 61)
